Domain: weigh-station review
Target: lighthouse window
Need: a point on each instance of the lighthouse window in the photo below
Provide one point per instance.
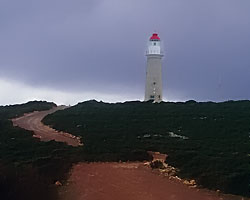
(152, 96)
(154, 43)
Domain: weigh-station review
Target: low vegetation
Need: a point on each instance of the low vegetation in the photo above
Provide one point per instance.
(208, 142)
(28, 167)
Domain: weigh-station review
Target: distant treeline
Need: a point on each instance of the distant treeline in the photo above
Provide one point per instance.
(207, 141)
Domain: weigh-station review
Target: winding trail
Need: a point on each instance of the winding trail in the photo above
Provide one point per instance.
(32, 122)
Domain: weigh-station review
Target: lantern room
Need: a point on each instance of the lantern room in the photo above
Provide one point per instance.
(154, 45)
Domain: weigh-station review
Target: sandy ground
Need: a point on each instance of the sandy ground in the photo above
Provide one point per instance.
(128, 181)
(32, 122)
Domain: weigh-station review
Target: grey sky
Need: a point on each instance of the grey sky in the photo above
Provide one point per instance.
(98, 46)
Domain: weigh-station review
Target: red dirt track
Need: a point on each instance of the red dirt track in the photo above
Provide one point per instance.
(32, 122)
(128, 181)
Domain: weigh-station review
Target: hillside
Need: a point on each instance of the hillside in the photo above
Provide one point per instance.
(28, 167)
(206, 141)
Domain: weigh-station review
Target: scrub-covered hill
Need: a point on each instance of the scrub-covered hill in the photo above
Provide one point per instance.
(206, 141)
(28, 167)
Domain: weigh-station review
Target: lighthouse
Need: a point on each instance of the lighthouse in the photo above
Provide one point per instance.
(153, 90)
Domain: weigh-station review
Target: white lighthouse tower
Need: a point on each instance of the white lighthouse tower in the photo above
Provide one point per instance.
(153, 90)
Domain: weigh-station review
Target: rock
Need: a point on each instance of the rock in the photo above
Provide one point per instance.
(165, 165)
(172, 173)
(58, 183)
(192, 182)
(157, 164)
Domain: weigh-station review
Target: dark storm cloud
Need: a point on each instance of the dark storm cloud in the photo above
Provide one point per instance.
(99, 45)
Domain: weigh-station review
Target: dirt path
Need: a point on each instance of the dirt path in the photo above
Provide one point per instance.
(128, 181)
(32, 122)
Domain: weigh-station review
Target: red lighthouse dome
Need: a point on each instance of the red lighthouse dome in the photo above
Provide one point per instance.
(155, 37)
